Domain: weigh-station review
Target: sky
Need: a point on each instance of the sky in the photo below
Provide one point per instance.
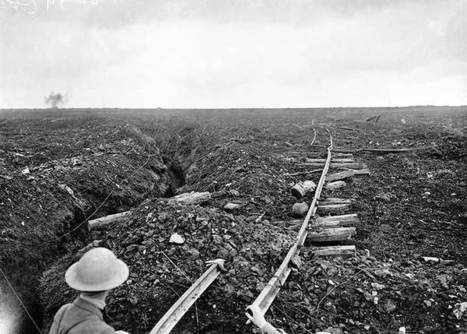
(233, 53)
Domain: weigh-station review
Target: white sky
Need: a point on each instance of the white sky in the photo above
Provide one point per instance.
(233, 53)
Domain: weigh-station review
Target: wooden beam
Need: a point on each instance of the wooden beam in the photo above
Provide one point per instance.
(321, 222)
(334, 250)
(364, 171)
(333, 208)
(343, 155)
(340, 175)
(343, 220)
(334, 200)
(335, 185)
(383, 150)
(115, 218)
(331, 234)
(322, 161)
(325, 224)
(191, 197)
(344, 165)
(344, 151)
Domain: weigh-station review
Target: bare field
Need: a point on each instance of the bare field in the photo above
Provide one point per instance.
(61, 167)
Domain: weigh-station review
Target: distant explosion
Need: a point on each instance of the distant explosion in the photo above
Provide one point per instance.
(54, 100)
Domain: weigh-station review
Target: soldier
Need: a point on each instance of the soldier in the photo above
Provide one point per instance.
(93, 275)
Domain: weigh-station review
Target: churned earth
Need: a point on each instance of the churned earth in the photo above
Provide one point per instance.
(58, 168)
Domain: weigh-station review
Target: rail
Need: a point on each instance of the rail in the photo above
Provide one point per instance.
(183, 304)
(256, 311)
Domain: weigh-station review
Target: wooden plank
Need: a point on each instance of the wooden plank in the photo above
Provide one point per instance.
(350, 165)
(335, 185)
(395, 150)
(343, 151)
(340, 175)
(186, 301)
(115, 218)
(343, 155)
(345, 165)
(321, 222)
(343, 220)
(382, 150)
(333, 208)
(334, 250)
(331, 234)
(326, 224)
(322, 161)
(191, 197)
(335, 200)
(364, 171)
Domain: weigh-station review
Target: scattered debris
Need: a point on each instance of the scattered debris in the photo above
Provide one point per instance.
(94, 159)
(300, 189)
(430, 259)
(459, 309)
(176, 239)
(389, 306)
(231, 206)
(192, 197)
(115, 218)
(340, 175)
(68, 189)
(335, 185)
(300, 209)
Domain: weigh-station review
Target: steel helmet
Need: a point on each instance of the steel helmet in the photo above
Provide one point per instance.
(97, 270)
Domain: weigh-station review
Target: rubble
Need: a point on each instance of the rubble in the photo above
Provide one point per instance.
(231, 206)
(335, 185)
(166, 253)
(300, 209)
(300, 189)
(178, 239)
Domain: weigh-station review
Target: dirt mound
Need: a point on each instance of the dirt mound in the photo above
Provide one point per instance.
(161, 271)
(55, 175)
(246, 173)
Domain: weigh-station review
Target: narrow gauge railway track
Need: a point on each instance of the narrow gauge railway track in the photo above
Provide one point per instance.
(314, 229)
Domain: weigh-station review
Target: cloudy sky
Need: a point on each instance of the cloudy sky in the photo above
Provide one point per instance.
(233, 53)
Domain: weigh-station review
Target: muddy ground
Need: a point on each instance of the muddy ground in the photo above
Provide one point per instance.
(57, 168)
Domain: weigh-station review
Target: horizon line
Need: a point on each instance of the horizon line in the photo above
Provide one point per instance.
(234, 108)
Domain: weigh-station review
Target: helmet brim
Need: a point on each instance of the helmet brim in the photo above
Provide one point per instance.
(74, 282)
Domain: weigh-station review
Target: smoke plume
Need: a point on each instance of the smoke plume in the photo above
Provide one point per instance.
(54, 100)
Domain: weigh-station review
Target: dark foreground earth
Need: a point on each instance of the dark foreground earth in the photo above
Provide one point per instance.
(59, 168)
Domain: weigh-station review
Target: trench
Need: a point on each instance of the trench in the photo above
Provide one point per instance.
(18, 321)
